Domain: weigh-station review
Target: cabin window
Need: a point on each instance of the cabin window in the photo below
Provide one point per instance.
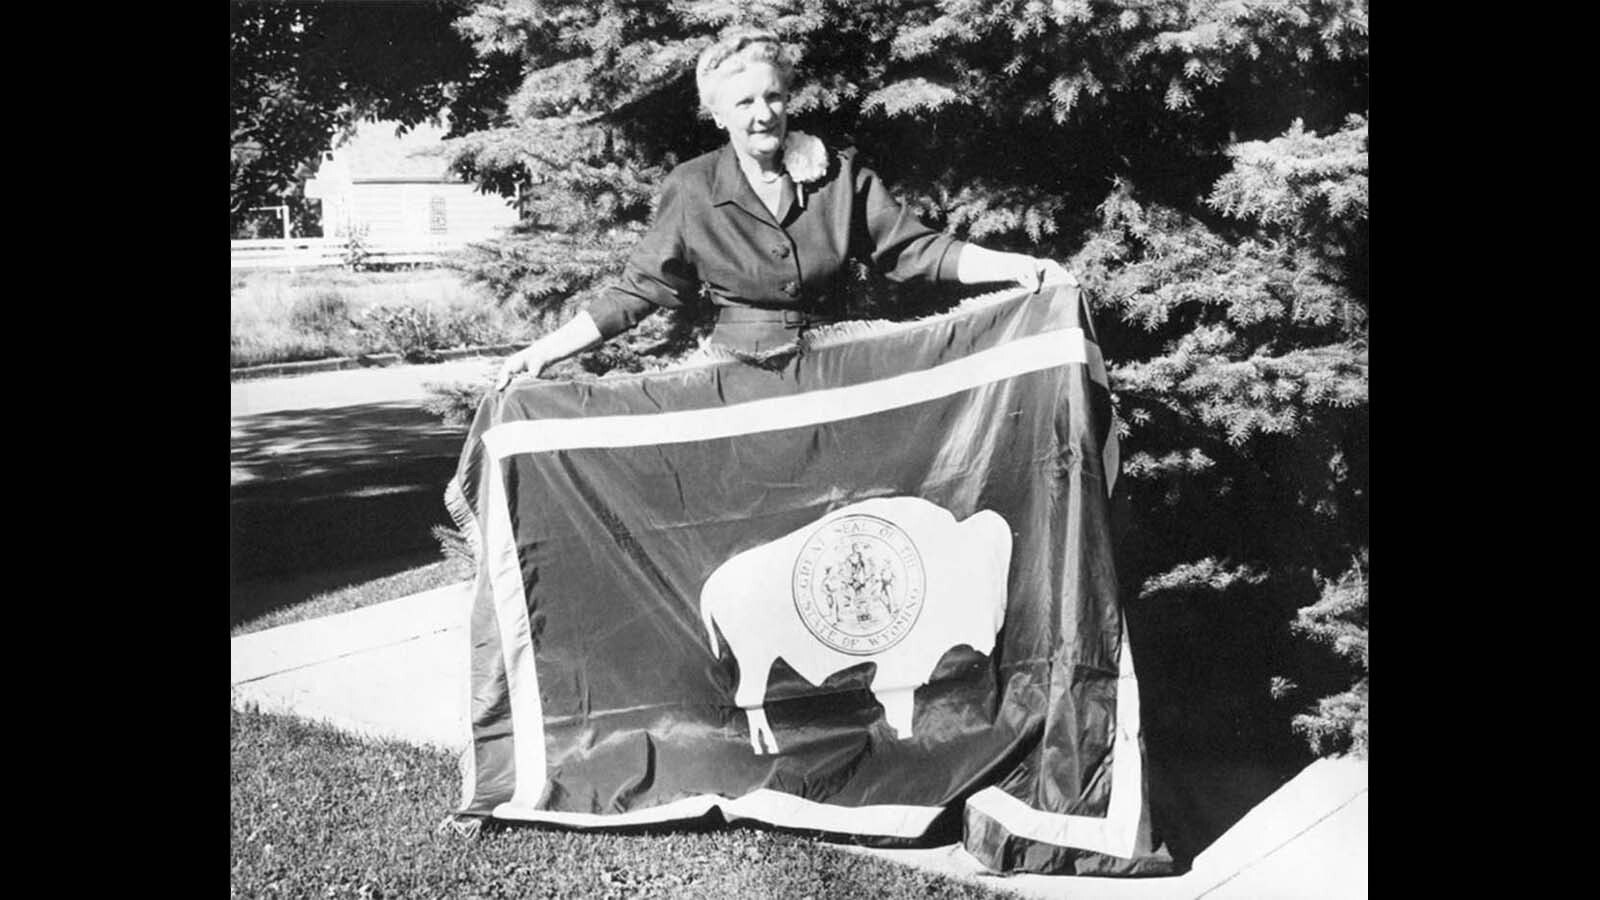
(436, 219)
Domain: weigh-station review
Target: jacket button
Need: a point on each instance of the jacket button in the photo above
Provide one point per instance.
(791, 288)
(781, 251)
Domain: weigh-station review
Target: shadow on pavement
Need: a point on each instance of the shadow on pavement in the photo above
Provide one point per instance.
(292, 444)
(322, 498)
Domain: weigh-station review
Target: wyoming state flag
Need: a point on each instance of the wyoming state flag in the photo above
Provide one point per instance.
(863, 590)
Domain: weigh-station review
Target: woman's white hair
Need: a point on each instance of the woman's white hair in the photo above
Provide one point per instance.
(737, 48)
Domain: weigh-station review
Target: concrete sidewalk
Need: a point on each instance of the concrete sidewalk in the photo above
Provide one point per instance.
(398, 670)
(393, 670)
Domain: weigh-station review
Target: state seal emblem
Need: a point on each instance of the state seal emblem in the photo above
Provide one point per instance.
(859, 584)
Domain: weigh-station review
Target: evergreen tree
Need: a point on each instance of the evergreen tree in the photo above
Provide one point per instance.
(1240, 373)
(1202, 163)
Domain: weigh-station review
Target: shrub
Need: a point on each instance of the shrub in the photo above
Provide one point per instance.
(464, 327)
(416, 333)
(357, 255)
(455, 403)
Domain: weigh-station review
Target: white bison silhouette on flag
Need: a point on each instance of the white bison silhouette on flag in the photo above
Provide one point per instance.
(895, 581)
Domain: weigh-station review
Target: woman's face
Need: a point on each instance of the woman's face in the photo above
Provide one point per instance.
(752, 105)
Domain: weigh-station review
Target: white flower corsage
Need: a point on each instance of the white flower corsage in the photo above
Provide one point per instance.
(806, 160)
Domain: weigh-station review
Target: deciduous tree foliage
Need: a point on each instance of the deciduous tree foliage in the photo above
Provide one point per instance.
(302, 72)
(1202, 163)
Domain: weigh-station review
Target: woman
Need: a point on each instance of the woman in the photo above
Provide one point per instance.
(767, 224)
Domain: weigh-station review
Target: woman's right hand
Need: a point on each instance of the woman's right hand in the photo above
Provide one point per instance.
(530, 361)
(579, 334)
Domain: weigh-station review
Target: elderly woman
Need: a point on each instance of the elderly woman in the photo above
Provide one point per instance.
(766, 225)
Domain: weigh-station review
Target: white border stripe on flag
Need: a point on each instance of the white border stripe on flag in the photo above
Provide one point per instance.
(1019, 357)
(1118, 833)
(516, 642)
(762, 805)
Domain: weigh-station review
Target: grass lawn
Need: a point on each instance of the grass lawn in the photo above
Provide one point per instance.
(317, 812)
(380, 590)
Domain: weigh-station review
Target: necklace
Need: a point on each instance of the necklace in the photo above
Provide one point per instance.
(755, 173)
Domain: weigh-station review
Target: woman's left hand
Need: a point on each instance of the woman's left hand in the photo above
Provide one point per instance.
(1034, 273)
(979, 266)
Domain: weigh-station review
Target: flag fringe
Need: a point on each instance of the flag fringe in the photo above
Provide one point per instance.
(455, 500)
(466, 827)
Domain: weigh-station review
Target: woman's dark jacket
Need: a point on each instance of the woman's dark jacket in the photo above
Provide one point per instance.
(711, 229)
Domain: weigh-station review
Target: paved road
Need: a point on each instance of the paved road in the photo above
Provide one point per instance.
(322, 390)
(336, 478)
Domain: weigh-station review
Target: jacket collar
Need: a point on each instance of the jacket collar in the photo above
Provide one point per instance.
(727, 182)
(728, 185)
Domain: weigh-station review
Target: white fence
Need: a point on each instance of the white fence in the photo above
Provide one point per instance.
(296, 253)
